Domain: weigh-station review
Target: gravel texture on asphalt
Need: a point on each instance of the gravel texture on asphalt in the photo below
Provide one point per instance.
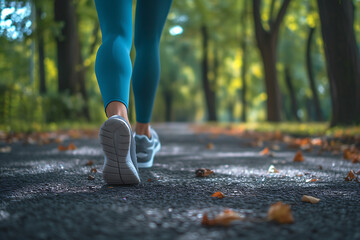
(47, 194)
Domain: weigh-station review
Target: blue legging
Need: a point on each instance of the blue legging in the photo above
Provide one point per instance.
(113, 64)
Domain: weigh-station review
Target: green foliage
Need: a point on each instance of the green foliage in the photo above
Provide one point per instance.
(22, 107)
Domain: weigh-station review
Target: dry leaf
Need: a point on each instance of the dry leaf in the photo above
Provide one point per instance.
(6, 149)
(347, 154)
(298, 157)
(265, 151)
(89, 163)
(280, 213)
(218, 195)
(203, 172)
(312, 180)
(320, 167)
(310, 199)
(272, 169)
(91, 177)
(93, 170)
(210, 146)
(62, 148)
(299, 175)
(275, 147)
(71, 146)
(149, 180)
(351, 176)
(223, 219)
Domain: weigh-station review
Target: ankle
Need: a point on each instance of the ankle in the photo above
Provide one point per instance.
(117, 108)
(143, 129)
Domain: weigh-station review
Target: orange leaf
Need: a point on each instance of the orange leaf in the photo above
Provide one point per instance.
(62, 148)
(265, 151)
(223, 219)
(89, 163)
(280, 213)
(203, 172)
(218, 195)
(312, 180)
(149, 180)
(93, 170)
(351, 176)
(210, 146)
(298, 157)
(71, 146)
(347, 154)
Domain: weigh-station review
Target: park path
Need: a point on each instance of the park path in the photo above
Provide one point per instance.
(45, 193)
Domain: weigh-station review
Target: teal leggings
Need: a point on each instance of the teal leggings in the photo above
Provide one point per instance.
(113, 64)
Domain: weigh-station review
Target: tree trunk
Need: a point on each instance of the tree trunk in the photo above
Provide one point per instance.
(294, 104)
(244, 63)
(67, 46)
(313, 88)
(342, 59)
(41, 52)
(209, 93)
(267, 43)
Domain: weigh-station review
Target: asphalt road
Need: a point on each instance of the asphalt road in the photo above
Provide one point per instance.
(45, 193)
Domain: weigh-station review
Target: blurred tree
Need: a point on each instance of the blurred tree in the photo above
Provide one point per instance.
(267, 42)
(40, 46)
(244, 65)
(71, 75)
(294, 104)
(342, 58)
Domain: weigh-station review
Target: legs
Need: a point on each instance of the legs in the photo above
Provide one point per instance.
(113, 64)
(149, 22)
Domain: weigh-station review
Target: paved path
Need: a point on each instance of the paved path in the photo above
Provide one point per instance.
(46, 194)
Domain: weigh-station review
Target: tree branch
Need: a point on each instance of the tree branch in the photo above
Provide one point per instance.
(280, 16)
(259, 28)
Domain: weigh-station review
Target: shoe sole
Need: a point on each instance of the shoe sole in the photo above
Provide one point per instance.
(149, 163)
(115, 139)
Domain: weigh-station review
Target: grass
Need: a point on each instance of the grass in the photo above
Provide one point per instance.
(292, 128)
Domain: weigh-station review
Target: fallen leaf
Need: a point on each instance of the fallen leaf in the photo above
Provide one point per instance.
(210, 146)
(62, 148)
(91, 177)
(280, 213)
(223, 219)
(275, 147)
(265, 151)
(203, 172)
(272, 169)
(299, 175)
(298, 157)
(312, 180)
(310, 199)
(71, 146)
(347, 154)
(351, 176)
(89, 163)
(218, 195)
(6, 149)
(320, 167)
(93, 170)
(149, 180)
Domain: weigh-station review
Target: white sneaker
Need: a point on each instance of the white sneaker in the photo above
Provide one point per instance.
(120, 165)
